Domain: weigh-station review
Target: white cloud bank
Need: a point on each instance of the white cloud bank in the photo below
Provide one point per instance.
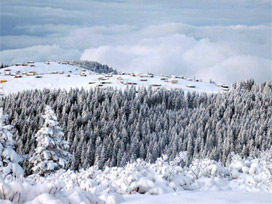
(221, 53)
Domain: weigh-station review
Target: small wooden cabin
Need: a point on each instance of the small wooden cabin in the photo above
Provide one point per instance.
(150, 75)
(180, 77)
(224, 86)
(130, 83)
(108, 75)
(173, 81)
(17, 76)
(190, 86)
(83, 73)
(106, 82)
(143, 79)
(31, 73)
(3, 81)
(7, 71)
(156, 85)
(102, 78)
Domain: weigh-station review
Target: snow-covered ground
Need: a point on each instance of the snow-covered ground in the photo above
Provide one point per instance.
(202, 197)
(205, 181)
(51, 81)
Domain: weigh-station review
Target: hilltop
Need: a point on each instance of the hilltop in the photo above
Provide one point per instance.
(84, 74)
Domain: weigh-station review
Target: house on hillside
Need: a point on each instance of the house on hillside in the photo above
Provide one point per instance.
(83, 73)
(31, 73)
(18, 76)
(130, 83)
(106, 82)
(180, 77)
(108, 75)
(156, 85)
(225, 87)
(190, 86)
(150, 75)
(102, 78)
(173, 81)
(7, 72)
(143, 79)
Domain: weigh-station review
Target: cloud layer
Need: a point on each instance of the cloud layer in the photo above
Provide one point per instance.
(224, 40)
(222, 53)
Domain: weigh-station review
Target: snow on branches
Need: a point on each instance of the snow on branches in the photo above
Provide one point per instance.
(51, 152)
(9, 159)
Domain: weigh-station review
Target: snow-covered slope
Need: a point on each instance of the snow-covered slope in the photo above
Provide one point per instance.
(206, 181)
(55, 75)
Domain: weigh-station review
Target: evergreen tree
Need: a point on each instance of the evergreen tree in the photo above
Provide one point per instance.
(121, 126)
(9, 159)
(51, 152)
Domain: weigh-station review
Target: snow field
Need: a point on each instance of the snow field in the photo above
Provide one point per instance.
(163, 178)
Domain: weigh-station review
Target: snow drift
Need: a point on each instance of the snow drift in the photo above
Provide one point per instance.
(163, 176)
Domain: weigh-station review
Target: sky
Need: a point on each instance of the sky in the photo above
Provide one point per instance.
(222, 40)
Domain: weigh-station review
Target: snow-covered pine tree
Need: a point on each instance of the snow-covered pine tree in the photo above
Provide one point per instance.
(9, 159)
(51, 152)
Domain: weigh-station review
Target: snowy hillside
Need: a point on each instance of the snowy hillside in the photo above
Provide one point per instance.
(146, 145)
(57, 75)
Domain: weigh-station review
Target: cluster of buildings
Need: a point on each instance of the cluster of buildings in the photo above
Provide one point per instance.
(105, 79)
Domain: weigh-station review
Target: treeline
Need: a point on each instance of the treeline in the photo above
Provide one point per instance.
(93, 66)
(3, 65)
(109, 127)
